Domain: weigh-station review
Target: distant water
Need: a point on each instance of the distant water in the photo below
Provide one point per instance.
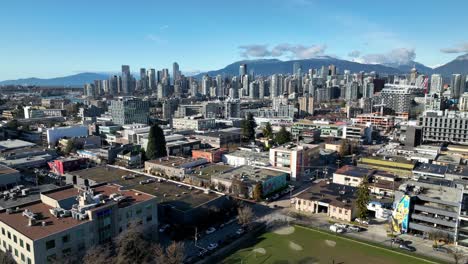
(71, 97)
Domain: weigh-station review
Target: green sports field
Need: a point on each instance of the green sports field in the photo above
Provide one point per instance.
(302, 245)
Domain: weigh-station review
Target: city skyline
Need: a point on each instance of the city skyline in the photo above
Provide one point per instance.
(51, 39)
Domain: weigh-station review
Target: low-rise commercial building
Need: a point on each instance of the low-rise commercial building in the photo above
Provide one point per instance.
(241, 181)
(172, 167)
(212, 155)
(242, 157)
(335, 200)
(191, 123)
(220, 139)
(178, 203)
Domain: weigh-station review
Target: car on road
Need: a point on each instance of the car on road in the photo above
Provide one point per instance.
(407, 248)
(336, 229)
(355, 229)
(441, 249)
(398, 241)
(362, 221)
(240, 231)
(344, 226)
(163, 228)
(212, 246)
(210, 230)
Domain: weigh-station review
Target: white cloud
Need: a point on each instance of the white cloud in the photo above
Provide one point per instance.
(163, 27)
(460, 48)
(255, 50)
(395, 56)
(285, 49)
(156, 38)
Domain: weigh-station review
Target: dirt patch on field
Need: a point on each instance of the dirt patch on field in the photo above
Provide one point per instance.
(295, 246)
(330, 243)
(287, 230)
(259, 251)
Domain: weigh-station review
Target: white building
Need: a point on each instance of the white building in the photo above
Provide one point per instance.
(191, 123)
(56, 133)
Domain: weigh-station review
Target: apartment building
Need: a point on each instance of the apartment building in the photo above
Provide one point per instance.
(295, 159)
(379, 122)
(444, 126)
(70, 220)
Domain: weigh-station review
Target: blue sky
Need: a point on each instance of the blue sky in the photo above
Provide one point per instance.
(55, 38)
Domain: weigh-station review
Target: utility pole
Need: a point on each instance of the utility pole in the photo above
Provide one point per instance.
(196, 236)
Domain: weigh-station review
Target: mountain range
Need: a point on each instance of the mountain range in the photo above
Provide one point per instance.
(270, 66)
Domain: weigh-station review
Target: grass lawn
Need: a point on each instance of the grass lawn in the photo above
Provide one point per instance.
(302, 245)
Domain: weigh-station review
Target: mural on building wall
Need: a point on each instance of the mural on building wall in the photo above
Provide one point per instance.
(401, 215)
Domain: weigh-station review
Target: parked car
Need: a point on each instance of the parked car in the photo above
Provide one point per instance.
(210, 230)
(441, 249)
(355, 229)
(336, 229)
(344, 226)
(406, 247)
(240, 231)
(212, 246)
(163, 228)
(398, 241)
(362, 221)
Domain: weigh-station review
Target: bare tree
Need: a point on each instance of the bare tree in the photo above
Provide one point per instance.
(159, 254)
(245, 215)
(458, 255)
(175, 253)
(131, 246)
(99, 254)
(6, 258)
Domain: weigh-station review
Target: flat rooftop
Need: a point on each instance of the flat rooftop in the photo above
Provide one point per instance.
(14, 144)
(291, 146)
(6, 170)
(249, 154)
(430, 168)
(207, 170)
(26, 160)
(443, 191)
(330, 193)
(354, 171)
(171, 161)
(33, 195)
(451, 159)
(250, 173)
(183, 198)
(53, 224)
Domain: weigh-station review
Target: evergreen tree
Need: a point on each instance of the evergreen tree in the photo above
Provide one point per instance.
(257, 192)
(363, 198)
(283, 136)
(143, 155)
(268, 131)
(248, 128)
(156, 143)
